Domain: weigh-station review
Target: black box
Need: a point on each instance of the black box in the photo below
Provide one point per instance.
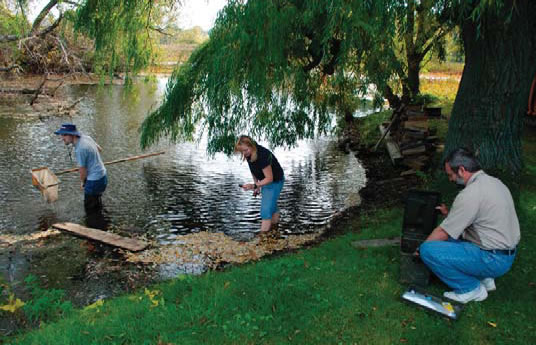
(420, 219)
(420, 214)
(410, 242)
(413, 271)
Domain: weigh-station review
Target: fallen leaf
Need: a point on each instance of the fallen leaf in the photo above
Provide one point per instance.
(12, 305)
(96, 305)
(492, 324)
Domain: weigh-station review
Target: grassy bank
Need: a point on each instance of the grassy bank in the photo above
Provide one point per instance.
(329, 294)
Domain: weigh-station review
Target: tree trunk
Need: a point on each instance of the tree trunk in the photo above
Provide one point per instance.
(414, 69)
(500, 62)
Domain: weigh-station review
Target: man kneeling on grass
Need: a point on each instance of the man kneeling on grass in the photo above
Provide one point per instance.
(477, 240)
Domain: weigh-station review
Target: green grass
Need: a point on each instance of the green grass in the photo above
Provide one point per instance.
(329, 294)
(368, 127)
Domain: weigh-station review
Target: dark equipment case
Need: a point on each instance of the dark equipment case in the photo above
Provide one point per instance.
(420, 219)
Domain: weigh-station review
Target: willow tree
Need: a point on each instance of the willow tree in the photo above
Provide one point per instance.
(124, 31)
(500, 62)
(277, 70)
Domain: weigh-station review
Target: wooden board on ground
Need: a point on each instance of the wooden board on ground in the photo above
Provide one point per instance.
(377, 242)
(102, 236)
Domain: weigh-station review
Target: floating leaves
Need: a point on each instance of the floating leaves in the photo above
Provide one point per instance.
(212, 249)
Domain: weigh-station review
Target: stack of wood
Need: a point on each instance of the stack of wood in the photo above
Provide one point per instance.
(408, 139)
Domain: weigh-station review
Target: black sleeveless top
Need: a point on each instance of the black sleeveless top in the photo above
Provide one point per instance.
(265, 158)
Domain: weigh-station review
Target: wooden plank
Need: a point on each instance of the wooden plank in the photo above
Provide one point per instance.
(381, 242)
(419, 125)
(408, 172)
(392, 146)
(102, 236)
(414, 150)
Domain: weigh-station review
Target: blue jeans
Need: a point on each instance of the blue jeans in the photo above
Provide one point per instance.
(97, 187)
(270, 195)
(461, 264)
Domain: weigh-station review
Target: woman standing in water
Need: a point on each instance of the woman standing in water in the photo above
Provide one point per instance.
(268, 178)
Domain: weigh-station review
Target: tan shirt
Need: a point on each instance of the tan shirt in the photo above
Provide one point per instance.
(484, 213)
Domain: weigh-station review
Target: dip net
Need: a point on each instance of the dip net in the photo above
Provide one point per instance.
(47, 183)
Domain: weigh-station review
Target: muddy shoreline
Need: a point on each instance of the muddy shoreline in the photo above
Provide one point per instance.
(29, 96)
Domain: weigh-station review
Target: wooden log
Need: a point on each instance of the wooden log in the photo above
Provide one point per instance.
(414, 150)
(102, 236)
(392, 146)
(417, 118)
(416, 162)
(408, 172)
(412, 113)
(411, 145)
(412, 135)
(418, 125)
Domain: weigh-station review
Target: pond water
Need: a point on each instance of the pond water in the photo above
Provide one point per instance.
(180, 192)
(160, 198)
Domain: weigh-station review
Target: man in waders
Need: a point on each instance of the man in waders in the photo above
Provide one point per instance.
(92, 171)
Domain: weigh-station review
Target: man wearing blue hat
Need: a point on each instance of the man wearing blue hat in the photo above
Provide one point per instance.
(92, 171)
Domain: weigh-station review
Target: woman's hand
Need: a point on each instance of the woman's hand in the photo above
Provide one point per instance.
(248, 186)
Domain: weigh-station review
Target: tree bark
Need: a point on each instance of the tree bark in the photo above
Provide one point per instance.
(487, 116)
(44, 32)
(42, 15)
(414, 70)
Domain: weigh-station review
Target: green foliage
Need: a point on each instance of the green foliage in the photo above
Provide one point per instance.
(123, 32)
(195, 35)
(368, 127)
(45, 305)
(275, 81)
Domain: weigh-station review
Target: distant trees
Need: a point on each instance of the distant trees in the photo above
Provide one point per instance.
(121, 33)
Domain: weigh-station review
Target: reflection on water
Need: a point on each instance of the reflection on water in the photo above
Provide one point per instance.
(180, 192)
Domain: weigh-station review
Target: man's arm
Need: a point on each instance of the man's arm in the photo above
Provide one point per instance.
(83, 176)
(438, 235)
